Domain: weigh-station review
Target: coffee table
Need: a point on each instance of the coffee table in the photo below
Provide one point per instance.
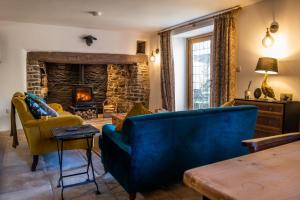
(82, 132)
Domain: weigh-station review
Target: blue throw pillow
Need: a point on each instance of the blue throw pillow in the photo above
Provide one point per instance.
(35, 108)
(34, 97)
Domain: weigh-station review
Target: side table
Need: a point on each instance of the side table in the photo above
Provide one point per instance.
(82, 132)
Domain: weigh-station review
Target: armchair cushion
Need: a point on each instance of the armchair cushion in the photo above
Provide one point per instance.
(46, 125)
(57, 107)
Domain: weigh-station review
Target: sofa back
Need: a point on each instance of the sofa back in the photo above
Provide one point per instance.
(164, 145)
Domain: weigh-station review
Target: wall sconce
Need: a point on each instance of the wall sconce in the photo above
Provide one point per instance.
(152, 57)
(268, 40)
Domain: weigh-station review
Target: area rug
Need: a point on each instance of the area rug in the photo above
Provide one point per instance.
(71, 160)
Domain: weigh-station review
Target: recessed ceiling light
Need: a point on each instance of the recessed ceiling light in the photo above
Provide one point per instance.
(95, 13)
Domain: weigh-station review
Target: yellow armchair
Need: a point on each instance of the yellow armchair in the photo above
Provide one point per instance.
(38, 131)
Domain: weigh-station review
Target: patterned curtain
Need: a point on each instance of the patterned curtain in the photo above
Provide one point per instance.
(224, 59)
(167, 72)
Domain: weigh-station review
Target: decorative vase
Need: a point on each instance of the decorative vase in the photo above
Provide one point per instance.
(257, 93)
(247, 94)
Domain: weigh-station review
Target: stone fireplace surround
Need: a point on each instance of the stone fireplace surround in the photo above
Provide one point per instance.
(113, 76)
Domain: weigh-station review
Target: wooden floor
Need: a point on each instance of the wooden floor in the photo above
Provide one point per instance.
(17, 182)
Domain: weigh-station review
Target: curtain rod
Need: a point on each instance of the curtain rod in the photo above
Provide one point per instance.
(199, 19)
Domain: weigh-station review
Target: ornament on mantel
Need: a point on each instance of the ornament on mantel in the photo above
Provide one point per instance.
(89, 39)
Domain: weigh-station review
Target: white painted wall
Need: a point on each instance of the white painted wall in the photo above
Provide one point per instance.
(18, 38)
(252, 25)
(154, 71)
(181, 72)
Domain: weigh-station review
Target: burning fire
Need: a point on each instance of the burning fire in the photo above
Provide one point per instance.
(83, 96)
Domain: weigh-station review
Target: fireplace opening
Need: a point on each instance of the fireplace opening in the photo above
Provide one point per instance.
(83, 96)
(84, 104)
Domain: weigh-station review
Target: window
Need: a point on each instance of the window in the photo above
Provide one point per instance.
(199, 57)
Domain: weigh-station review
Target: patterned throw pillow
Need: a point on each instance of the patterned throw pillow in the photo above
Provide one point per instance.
(35, 108)
(137, 109)
(38, 107)
(50, 111)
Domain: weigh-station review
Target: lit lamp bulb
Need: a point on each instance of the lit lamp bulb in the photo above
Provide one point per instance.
(268, 41)
(152, 57)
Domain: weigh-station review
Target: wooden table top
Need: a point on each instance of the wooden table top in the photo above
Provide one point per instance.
(272, 174)
(74, 131)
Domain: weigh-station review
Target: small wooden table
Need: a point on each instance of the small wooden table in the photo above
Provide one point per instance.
(272, 174)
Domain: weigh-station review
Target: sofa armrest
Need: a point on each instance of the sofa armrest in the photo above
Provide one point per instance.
(113, 135)
(260, 144)
(56, 106)
(54, 121)
(46, 125)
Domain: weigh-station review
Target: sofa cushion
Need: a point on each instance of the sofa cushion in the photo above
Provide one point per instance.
(137, 109)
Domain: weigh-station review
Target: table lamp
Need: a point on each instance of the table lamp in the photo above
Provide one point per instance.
(266, 65)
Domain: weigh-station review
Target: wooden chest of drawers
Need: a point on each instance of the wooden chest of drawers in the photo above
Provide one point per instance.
(274, 117)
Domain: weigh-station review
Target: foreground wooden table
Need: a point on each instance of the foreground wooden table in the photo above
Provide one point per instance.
(272, 174)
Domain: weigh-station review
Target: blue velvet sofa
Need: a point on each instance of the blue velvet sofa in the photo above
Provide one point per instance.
(156, 149)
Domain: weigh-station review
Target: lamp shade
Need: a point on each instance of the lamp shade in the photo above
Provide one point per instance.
(267, 65)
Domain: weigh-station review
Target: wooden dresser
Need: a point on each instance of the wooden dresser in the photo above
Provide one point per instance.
(274, 117)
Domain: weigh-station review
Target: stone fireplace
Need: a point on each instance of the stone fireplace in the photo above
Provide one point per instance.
(85, 79)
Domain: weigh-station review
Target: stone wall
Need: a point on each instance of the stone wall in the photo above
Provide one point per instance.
(61, 78)
(34, 77)
(128, 84)
(96, 76)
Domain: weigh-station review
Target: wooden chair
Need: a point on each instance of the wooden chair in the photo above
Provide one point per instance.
(260, 144)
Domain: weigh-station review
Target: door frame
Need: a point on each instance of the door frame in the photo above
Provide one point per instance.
(190, 42)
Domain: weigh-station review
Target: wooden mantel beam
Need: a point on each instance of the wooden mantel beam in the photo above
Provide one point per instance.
(86, 58)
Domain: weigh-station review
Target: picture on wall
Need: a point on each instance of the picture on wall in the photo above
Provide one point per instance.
(141, 47)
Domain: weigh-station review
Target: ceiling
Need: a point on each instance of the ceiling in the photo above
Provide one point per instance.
(128, 15)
